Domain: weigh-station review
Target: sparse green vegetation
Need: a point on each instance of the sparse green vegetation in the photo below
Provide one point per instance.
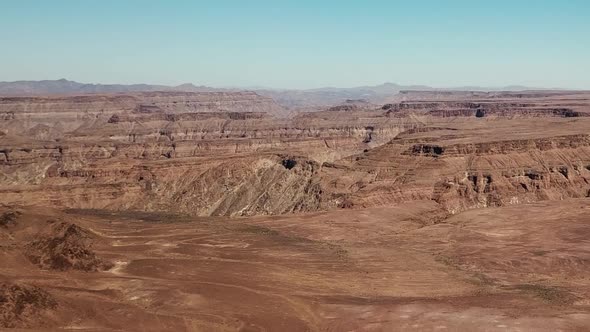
(540, 252)
(549, 294)
(254, 229)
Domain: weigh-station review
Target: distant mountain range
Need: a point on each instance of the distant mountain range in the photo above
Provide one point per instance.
(64, 87)
(287, 98)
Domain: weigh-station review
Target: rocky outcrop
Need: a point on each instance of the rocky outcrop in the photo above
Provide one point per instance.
(250, 186)
(502, 146)
(23, 305)
(464, 176)
(449, 109)
(64, 246)
(51, 242)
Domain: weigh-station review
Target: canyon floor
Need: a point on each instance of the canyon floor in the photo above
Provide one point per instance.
(228, 212)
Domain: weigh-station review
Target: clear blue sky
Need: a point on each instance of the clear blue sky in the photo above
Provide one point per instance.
(296, 44)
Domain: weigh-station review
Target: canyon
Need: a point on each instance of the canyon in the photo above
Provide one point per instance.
(229, 210)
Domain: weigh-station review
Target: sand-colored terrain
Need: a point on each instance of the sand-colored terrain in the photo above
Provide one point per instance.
(169, 211)
(377, 269)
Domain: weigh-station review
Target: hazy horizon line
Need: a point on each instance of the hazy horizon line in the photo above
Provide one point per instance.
(264, 87)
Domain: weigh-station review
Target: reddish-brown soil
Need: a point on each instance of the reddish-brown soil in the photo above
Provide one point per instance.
(375, 269)
(206, 212)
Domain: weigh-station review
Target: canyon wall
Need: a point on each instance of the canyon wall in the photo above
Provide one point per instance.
(237, 153)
